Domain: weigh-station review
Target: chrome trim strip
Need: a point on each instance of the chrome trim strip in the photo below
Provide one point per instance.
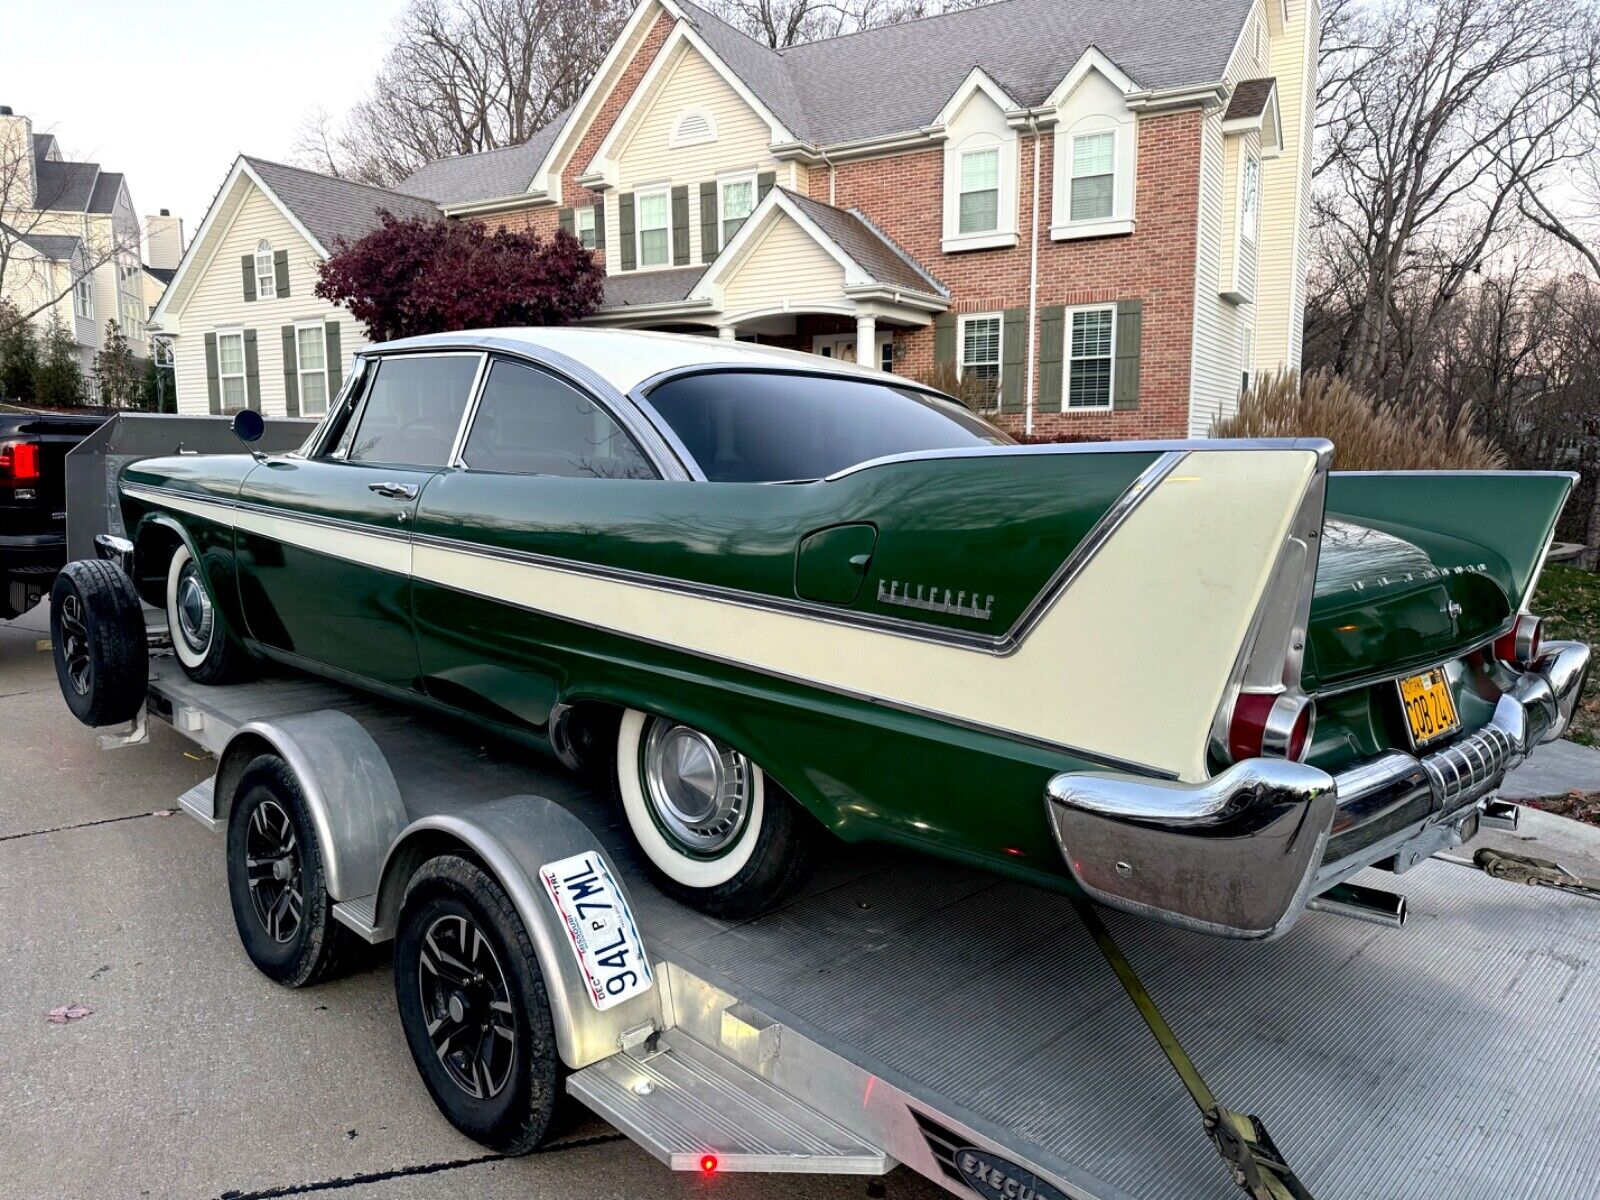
(1320, 446)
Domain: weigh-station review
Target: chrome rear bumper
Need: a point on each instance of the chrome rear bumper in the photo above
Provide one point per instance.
(1242, 853)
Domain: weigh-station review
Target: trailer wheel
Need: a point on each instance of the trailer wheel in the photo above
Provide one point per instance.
(200, 638)
(98, 642)
(714, 830)
(474, 1007)
(276, 879)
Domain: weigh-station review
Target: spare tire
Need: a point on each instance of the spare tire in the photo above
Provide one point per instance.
(97, 637)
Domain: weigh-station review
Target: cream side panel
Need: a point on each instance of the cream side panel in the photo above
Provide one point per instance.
(785, 265)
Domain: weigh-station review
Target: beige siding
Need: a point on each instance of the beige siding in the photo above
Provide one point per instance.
(216, 301)
(1214, 371)
(784, 264)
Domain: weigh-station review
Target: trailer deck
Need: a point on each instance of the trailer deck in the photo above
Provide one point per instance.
(1453, 1057)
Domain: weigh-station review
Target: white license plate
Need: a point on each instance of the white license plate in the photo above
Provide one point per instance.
(600, 928)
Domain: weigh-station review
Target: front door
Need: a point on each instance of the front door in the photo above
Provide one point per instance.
(843, 345)
(324, 543)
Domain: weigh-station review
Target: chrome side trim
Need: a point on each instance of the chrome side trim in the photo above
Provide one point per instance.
(1319, 446)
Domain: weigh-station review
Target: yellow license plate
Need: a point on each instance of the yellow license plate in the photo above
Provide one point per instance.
(1430, 708)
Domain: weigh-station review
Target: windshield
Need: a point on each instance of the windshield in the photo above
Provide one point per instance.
(769, 427)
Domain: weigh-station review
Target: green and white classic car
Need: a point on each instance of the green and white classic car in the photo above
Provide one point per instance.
(773, 595)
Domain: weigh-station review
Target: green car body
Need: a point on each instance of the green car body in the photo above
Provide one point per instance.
(1002, 655)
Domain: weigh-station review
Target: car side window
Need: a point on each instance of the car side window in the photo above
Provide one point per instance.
(412, 410)
(529, 422)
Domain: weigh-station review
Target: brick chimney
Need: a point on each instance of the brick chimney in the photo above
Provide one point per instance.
(16, 161)
(163, 240)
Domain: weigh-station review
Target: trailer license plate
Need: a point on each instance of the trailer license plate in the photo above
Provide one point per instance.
(1430, 708)
(600, 928)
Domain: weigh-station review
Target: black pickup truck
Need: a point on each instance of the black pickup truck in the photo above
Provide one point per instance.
(33, 500)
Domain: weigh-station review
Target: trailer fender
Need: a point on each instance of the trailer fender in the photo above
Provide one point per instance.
(348, 787)
(512, 838)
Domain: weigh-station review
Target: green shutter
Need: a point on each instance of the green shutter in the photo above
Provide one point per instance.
(765, 182)
(628, 247)
(291, 373)
(1013, 355)
(680, 225)
(213, 378)
(600, 224)
(252, 371)
(1125, 375)
(334, 357)
(280, 272)
(944, 340)
(709, 227)
(1052, 344)
(247, 264)
(567, 222)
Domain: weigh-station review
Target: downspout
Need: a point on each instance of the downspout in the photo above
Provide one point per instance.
(1033, 284)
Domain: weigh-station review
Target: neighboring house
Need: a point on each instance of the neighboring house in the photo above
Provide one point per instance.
(1100, 211)
(245, 326)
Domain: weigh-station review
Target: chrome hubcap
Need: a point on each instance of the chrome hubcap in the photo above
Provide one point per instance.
(75, 644)
(699, 789)
(467, 1005)
(272, 867)
(195, 618)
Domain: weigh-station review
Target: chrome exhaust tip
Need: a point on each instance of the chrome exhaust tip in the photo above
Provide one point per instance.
(1373, 905)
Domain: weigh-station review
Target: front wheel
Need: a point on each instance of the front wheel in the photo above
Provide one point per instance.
(714, 830)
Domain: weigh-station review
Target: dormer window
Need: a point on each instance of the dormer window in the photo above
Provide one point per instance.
(980, 175)
(1093, 176)
(693, 127)
(1096, 147)
(266, 279)
(980, 191)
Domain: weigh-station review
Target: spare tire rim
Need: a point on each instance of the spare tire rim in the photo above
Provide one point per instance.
(699, 789)
(272, 867)
(466, 1004)
(195, 617)
(75, 645)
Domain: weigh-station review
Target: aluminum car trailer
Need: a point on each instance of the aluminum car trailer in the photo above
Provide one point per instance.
(907, 1011)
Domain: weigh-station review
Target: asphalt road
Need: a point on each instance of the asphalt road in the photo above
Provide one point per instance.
(194, 1076)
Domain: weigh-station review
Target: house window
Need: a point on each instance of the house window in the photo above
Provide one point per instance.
(1090, 341)
(886, 356)
(655, 234)
(584, 220)
(980, 350)
(980, 191)
(311, 350)
(1249, 198)
(83, 297)
(736, 198)
(266, 280)
(1093, 176)
(230, 370)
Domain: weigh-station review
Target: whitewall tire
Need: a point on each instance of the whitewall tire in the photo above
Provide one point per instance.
(191, 619)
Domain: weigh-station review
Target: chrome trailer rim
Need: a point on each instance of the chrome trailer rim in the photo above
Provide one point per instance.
(466, 1003)
(272, 868)
(196, 620)
(699, 790)
(75, 644)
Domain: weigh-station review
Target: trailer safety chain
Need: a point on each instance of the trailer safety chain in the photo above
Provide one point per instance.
(1535, 872)
(1253, 1160)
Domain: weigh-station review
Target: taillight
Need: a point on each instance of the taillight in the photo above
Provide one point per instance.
(1520, 645)
(19, 461)
(1275, 725)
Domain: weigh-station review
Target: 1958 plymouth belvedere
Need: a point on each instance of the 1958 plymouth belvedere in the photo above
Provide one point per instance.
(774, 594)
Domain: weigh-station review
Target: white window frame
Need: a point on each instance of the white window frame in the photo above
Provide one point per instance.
(1249, 219)
(678, 138)
(639, 196)
(1096, 103)
(266, 281)
(965, 319)
(300, 371)
(961, 192)
(1067, 361)
(83, 296)
(577, 224)
(1072, 161)
(723, 181)
(243, 375)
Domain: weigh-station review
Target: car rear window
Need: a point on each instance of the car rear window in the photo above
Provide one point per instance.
(767, 427)
(413, 410)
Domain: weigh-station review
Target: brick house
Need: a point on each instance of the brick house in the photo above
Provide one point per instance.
(1098, 212)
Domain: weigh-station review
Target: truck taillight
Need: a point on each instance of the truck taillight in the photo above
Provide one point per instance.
(1520, 644)
(1274, 725)
(19, 461)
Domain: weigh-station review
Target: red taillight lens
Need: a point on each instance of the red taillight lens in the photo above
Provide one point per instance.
(1274, 725)
(19, 461)
(1520, 645)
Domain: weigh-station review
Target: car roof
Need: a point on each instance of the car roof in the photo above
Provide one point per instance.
(625, 358)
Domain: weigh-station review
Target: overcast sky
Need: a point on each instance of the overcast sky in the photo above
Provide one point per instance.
(169, 91)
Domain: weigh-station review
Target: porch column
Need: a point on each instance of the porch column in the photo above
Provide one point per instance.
(866, 339)
(727, 333)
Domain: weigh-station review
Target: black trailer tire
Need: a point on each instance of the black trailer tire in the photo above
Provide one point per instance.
(201, 640)
(276, 880)
(97, 639)
(464, 964)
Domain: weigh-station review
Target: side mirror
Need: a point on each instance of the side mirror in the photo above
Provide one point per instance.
(248, 426)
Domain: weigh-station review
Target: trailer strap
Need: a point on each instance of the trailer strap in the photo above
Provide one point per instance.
(1254, 1162)
(1535, 872)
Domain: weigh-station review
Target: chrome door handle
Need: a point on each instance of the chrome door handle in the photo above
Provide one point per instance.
(398, 491)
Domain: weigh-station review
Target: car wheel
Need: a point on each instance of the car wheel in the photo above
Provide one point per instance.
(276, 879)
(97, 638)
(474, 1007)
(200, 638)
(714, 830)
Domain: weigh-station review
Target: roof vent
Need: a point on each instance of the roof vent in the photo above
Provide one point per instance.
(693, 127)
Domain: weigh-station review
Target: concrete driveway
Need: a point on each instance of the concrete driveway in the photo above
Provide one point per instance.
(194, 1076)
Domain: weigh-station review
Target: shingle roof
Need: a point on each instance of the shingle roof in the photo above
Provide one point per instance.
(863, 241)
(162, 275)
(336, 210)
(44, 145)
(58, 247)
(485, 176)
(1249, 98)
(650, 287)
(104, 197)
(64, 186)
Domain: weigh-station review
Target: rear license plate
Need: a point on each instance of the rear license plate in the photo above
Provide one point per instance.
(600, 928)
(1430, 708)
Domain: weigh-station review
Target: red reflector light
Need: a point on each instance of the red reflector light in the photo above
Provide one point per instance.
(1275, 725)
(708, 1164)
(19, 461)
(1520, 644)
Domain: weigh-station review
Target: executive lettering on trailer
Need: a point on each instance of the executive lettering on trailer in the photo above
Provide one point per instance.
(1001, 1179)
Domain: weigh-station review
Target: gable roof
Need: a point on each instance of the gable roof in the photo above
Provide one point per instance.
(106, 186)
(162, 275)
(873, 250)
(488, 175)
(58, 247)
(1249, 99)
(334, 210)
(64, 186)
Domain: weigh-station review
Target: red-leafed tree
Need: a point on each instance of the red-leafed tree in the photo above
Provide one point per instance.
(418, 276)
